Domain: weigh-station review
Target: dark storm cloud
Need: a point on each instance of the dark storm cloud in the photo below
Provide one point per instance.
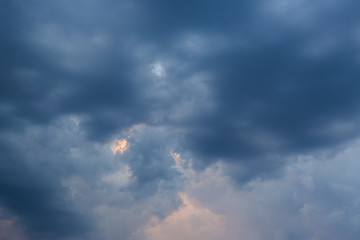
(283, 94)
(286, 81)
(42, 211)
(278, 94)
(38, 45)
(162, 17)
(277, 79)
(50, 68)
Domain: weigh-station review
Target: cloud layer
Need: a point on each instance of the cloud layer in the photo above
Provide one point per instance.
(176, 120)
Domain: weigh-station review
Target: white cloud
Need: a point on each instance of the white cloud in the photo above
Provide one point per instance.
(158, 69)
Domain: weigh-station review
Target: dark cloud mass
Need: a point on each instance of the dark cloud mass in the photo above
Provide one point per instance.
(250, 84)
(38, 203)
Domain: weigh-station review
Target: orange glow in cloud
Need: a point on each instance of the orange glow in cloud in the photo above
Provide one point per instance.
(177, 158)
(119, 146)
(191, 221)
(179, 162)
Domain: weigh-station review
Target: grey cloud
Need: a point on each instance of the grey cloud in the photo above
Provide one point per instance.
(312, 199)
(40, 85)
(272, 98)
(59, 185)
(151, 163)
(43, 214)
(247, 83)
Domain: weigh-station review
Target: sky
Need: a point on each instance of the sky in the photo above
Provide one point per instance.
(158, 120)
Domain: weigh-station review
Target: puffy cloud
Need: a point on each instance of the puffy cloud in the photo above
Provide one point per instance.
(315, 198)
(189, 221)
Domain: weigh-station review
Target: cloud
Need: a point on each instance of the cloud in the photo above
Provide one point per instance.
(8, 227)
(150, 161)
(183, 88)
(81, 190)
(30, 187)
(119, 145)
(313, 199)
(188, 221)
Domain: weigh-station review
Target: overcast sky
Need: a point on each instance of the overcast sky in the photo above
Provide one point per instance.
(178, 120)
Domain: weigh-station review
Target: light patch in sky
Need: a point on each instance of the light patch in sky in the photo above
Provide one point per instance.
(9, 227)
(158, 69)
(119, 178)
(135, 129)
(283, 6)
(179, 163)
(183, 166)
(321, 46)
(119, 146)
(177, 158)
(191, 221)
(194, 44)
